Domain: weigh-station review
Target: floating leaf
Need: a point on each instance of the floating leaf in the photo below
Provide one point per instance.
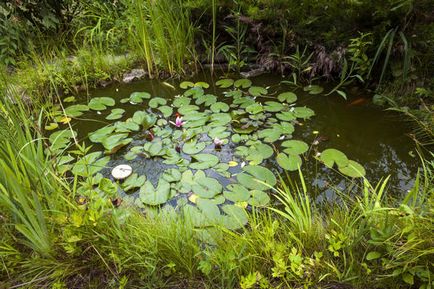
(288, 97)
(90, 164)
(116, 113)
(255, 108)
(186, 84)
(288, 162)
(295, 147)
(236, 217)
(181, 101)
(219, 106)
(273, 106)
(225, 83)
(187, 109)
(353, 169)
(113, 143)
(206, 187)
(257, 91)
(51, 126)
(145, 119)
(254, 177)
(243, 83)
(236, 193)
(157, 101)
(155, 196)
(69, 99)
(206, 99)
(193, 147)
(172, 175)
(258, 198)
(204, 161)
(133, 181)
(154, 148)
(99, 135)
(166, 110)
(313, 89)
(333, 156)
(303, 112)
(76, 110)
(201, 84)
(138, 97)
(101, 103)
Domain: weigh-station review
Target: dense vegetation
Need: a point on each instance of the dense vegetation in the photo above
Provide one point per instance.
(63, 225)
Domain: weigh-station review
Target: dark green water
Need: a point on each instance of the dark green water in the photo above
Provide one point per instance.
(375, 138)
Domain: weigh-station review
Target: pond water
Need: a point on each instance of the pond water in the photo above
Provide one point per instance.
(366, 134)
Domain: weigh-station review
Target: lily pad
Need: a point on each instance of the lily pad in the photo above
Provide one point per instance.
(101, 103)
(193, 147)
(204, 161)
(138, 97)
(333, 156)
(206, 187)
(288, 162)
(157, 101)
(353, 170)
(166, 110)
(303, 112)
(258, 198)
(257, 177)
(76, 110)
(219, 106)
(288, 97)
(236, 193)
(133, 181)
(186, 84)
(313, 89)
(257, 91)
(295, 147)
(225, 83)
(116, 113)
(273, 106)
(255, 108)
(243, 83)
(155, 196)
(201, 84)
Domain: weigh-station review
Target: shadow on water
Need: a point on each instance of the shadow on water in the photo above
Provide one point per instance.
(375, 138)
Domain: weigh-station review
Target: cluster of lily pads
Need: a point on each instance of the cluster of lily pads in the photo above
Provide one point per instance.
(215, 149)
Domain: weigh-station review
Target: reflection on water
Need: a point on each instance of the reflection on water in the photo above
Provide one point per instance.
(374, 138)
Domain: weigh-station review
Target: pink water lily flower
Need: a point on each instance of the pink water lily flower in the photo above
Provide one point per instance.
(179, 122)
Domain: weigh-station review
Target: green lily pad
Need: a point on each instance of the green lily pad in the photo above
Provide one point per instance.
(138, 97)
(145, 119)
(133, 181)
(234, 93)
(155, 196)
(219, 132)
(219, 106)
(76, 110)
(116, 113)
(69, 99)
(286, 116)
(59, 140)
(288, 97)
(236, 193)
(51, 126)
(288, 162)
(236, 217)
(257, 91)
(206, 99)
(206, 187)
(192, 147)
(243, 83)
(204, 161)
(186, 84)
(166, 110)
(257, 177)
(100, 134)
(333, 156)
(295, 147)
(258, 198)
(303, 112)
(157, 101)
(187, 109)
(101, 103)
(273, 106)
(201, 84)
(313, 89)
(225, 83)
(90, 164)
(353, 169)
(126, 126)
(154, 148)
(181, 101)
(255, 108)
(172, 175)
(112, 143)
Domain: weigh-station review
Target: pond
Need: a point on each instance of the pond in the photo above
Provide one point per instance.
(233, 134)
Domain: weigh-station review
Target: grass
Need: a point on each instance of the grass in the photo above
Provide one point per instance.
(51, 240)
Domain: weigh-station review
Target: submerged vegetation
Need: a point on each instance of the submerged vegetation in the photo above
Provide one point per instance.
(215, 190)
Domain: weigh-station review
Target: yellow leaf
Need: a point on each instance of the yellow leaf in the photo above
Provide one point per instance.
(65, 120)
(233, 164)
(193, 198)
